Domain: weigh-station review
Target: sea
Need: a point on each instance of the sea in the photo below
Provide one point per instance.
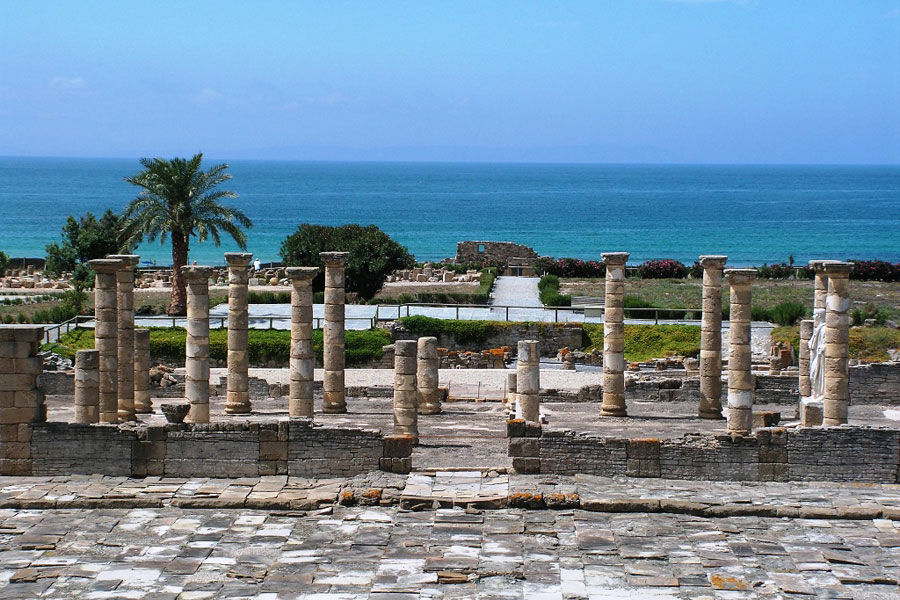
(754, 214)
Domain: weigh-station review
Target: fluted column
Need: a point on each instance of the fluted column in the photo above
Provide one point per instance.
(429, 401)
(125, 317)
(106, 336)
(711, 338)
(303, 359)
(142, 402)
(237, 399)
(528, 380)
(740, 375)
(837, 343)
(406, 418)
(87, 386)
(614, 336)
(806, 331)
(334, 400)
(196, 361)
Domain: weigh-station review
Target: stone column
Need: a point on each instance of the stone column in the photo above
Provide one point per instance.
(806, 330)
(237, 399)
(196, 361)
(333, 348)
(511, 390)
(837, 342)
(614, 336)
(87, 386)
(740, 375)
(142, 403)
(711, 338)
(528, 380)
(427, 376)
(106, 335)
(303, 359)
(820, 283)
(406, 418)
(125, 315)
(21, 400)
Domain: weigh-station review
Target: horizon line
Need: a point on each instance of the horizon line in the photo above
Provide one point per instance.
(477, 162)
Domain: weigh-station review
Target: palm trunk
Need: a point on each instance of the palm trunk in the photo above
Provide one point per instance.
(178, 301)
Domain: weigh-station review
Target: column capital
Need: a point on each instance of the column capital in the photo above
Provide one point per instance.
(196, 273)
(819, 264)
(129, 261)
(301, 274)
(713, 261)
(837, 269)
(238, 259)
(335, 259)
(738, 277)
(615, 258)
(105, 265)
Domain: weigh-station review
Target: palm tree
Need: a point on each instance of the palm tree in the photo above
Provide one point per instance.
(178, 198)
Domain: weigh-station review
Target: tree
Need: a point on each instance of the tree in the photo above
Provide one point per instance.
(4, 261)
(180, 200)
(84, 239)
(373, 254)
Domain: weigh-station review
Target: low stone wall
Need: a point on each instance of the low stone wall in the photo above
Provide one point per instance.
(876, 383)
(845, 453)
(293, 447)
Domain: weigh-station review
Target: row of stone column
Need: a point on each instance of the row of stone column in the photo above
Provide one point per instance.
(416, 388)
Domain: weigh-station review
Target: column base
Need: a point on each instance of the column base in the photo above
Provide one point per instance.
(613, 412)
(334, 410)
(712, 415)
(241, 409)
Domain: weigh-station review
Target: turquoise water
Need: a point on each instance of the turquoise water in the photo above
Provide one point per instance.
(754, 214)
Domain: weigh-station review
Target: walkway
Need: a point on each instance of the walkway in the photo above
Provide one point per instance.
(516, 291)
(644, 539)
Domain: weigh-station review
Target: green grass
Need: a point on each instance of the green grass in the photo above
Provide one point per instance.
(263, 344)
(645, 342)
(868, 344)
(465, 332)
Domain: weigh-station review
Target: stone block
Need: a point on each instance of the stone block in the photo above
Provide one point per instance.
(524, 447)
(766, 418)
(398, 446)
(526, 465)
(811, 412)
(515, 428)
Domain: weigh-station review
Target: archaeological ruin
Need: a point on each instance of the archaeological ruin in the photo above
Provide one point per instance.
(779, 423)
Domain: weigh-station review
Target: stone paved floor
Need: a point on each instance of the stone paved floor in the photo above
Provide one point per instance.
(370, 553)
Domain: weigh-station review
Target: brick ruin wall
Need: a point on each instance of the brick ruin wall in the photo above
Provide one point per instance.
(551, 337)
(229, 450)
(474, 251)
(844, 453)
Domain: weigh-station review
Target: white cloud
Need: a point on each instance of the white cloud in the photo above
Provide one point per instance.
(67, 83)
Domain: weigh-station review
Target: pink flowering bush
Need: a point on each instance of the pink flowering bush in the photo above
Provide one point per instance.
(665, 268)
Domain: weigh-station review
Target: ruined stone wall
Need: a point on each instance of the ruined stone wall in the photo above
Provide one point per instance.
(474, 251)
(229, 450)
(844, 453)
(876, 383)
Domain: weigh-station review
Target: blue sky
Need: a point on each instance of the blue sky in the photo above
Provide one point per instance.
(625, 81)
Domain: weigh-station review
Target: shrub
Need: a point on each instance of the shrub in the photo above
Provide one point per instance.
(373, 254)
(465, 332)
(875, 270)
(779, 271)
(548, 286)
(4, 261)
(571, 267)
(869, 311)
(696, 270)
(665, 268)
(167, 344)
(786, 313)
(269, 298)
(636, 302)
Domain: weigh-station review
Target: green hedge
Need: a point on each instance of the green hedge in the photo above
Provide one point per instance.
(362, 347)
(548, 287)
(465, 332)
